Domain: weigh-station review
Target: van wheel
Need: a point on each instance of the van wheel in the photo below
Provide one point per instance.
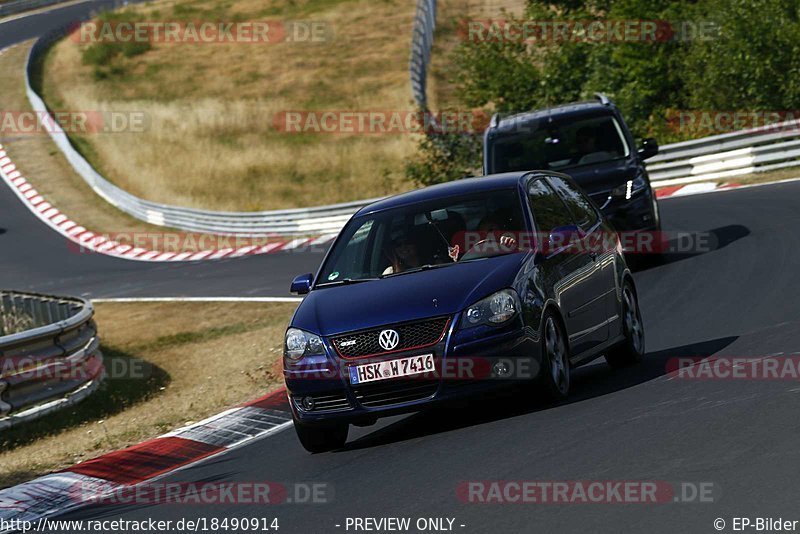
(632, 348)
(555, 359)
(321, 438)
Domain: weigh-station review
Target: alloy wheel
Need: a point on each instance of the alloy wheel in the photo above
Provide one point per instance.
(556, 354)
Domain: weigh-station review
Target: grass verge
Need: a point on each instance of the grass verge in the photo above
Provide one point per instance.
(170, 364)
(43, 165)
(209, 140)
(766, 177)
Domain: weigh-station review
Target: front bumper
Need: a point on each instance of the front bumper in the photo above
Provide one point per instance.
(465, 364)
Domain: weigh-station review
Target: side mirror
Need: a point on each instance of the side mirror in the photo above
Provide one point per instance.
(562, 236)
(302, 284)
(649, 148)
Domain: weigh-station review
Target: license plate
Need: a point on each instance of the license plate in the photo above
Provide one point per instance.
(372, 372)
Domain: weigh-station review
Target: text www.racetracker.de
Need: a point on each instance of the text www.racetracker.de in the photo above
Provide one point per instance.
(199, 524)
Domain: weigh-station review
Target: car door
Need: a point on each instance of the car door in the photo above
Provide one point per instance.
(566, 270)
(594, 268)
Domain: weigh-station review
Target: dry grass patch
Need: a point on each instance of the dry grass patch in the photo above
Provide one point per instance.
(189, 361)
(210, 140)
(43, 165)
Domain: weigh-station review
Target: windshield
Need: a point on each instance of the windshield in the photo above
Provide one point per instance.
(558, 146)
(426, 235)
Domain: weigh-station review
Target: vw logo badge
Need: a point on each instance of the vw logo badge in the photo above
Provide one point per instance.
(388, 339)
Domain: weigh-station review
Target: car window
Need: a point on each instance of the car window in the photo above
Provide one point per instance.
(438, 232)
(557, 145)
(578, 203)
(549, 211)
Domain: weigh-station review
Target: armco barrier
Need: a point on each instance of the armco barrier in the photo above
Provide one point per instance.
(53, 362)
(711, 158)
(421, 44)
(290, 222)
(728, 155)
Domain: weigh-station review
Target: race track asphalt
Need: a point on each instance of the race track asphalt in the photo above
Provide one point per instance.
(740, 299)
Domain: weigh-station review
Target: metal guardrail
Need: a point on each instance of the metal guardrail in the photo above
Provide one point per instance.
(289, 222)
(53, 362)
(714, 157)
(728, 155)
(421, 45)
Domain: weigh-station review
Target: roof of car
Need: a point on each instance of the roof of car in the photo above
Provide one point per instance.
(458, 187)
(575, 108)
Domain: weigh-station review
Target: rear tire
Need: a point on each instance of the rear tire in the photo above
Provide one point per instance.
(631, 350)
(321, 438)
(555, 359)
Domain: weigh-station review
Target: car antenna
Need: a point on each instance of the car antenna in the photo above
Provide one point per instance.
(451, 251)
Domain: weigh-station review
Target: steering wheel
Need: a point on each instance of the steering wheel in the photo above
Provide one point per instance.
(475, 251)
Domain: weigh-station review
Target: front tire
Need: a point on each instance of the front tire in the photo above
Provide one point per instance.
(321, 438)
(632, 348)
(555, 359)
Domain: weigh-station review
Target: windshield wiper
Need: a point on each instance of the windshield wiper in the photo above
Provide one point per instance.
(346, 281)
(426, 267)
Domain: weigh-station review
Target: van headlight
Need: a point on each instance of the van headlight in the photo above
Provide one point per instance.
(300, 344)
(629, 188)
(494, 310)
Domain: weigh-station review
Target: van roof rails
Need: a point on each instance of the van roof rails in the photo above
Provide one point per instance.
(603, 99)
(495, 120)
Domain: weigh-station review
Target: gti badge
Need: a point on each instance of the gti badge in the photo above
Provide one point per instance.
(388, 339)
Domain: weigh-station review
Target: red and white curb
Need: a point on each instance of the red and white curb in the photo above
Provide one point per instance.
(94, 479)
(91, 241)
(692, 189)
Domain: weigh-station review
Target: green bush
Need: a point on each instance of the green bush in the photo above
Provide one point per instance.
(444, 157)
(99, 54)
(108, 58)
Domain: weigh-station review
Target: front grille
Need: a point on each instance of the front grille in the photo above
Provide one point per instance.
(326, 403)
(412, 335)
(395, 392)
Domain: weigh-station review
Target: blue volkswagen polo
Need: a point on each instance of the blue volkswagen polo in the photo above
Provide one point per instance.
(444, 291)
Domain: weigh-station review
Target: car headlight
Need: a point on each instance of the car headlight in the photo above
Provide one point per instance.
(495, 309)
(300, 344)
(630, 188)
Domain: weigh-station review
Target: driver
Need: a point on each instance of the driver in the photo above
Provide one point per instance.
(586, 139)
(403, 255)
(493, 234)
(495, 223)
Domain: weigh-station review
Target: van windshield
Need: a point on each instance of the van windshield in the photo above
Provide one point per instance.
(557, 145)
(426, 235)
